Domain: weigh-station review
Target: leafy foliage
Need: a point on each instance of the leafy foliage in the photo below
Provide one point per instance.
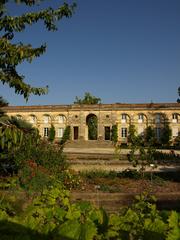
(52, 133)
(12, 54)
(92, 127)
(139, 155)
(14, 133)
(3, 103)
(178, 100)
(166, 135)
(114, 134)
(177, 141)
(149, 137)
(66, 135)
(88, 99)
(50, 215)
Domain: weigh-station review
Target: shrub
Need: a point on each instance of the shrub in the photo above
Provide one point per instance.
(52, 133)
(66, 135)
(114, 134)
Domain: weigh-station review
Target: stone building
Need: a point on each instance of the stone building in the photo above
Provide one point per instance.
(119, 114)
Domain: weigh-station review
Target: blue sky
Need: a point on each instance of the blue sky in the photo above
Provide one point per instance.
(119, 50)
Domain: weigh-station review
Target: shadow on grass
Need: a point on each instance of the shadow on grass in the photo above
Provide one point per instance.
(15, 231)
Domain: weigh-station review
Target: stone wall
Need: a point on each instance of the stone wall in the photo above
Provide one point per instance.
(122, 115)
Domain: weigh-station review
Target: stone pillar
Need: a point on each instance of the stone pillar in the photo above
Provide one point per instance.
(100, 133)
(82, 133)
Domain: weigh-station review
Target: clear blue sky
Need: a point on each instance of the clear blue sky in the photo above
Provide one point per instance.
(119, 50)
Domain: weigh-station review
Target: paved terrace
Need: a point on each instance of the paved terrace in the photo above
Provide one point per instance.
(106, 159)
(106, 150)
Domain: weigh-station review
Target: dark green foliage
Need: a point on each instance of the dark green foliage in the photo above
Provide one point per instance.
(139, 155)
(166, 135)
(66, 135)
(149, 137)
(133, 139)
(3, 103)
(92, 127)
(178, 100)
(12, 54)
(177, 141)
(88, 99)
(165, 157)
(52, 134)
(14, 134)
(39, 164)
(114, 134)
(16, 231)
(50, 215)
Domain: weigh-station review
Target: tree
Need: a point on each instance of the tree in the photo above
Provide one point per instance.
(176, 142)
(166, 135)
(3, 103)
(88, 99)
(66, 135)
(114, 134)
(132, 138)
(178, 100)
(52, 133)
(92, 127)
(12, 54)
(139, 155)
(149, 137)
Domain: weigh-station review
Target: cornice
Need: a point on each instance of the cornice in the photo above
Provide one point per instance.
(94, 107)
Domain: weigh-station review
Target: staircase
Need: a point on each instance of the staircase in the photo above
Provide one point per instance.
(89, 144)
(94, 155)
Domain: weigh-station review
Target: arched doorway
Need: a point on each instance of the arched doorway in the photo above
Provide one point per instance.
(92, 124)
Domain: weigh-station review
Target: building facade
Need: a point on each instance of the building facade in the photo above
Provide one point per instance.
(106, 115)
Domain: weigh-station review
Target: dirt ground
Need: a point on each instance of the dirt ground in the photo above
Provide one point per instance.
(126, 185)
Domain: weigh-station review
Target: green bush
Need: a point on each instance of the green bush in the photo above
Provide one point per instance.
(66, 135)
(52, 133)
(50, 215)
(114, 134)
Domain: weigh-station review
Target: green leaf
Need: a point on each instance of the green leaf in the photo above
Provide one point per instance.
(174, 227)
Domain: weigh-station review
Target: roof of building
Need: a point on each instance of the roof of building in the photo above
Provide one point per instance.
(77, 107)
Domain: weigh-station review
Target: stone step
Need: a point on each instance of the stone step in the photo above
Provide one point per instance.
(113, 202)
(94, 156)
(89, 144)
(97, 162)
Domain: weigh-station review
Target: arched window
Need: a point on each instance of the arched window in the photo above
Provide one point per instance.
(19, 116)
(46, 118)
(158, 118)
(61, 119)
(142, 118)
(32, 119)
(175, 118)
(124, 117)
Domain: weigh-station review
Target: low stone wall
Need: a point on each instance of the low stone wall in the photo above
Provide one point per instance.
(113, 202)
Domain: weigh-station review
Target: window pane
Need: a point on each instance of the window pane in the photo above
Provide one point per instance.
(123, 132)
(175, 132)
(46, 132)
(141, 116)
(124, 116)
(60, 132)
(32, 119)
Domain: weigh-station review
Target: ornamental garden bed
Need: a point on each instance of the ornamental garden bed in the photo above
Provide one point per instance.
(114, 190)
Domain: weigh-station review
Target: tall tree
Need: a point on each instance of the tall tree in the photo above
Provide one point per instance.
(12, 54)
(52, 133)
(3, 103)
(178, 100)
(87, 99)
